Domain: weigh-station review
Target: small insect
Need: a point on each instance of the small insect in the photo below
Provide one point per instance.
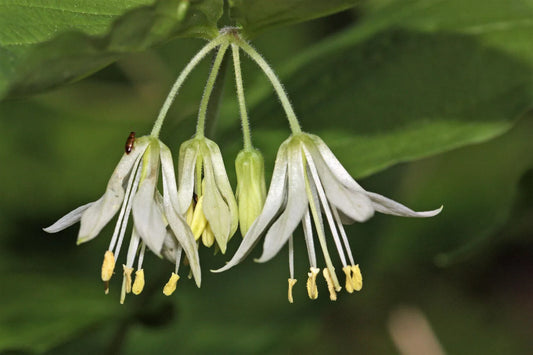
(129, 142)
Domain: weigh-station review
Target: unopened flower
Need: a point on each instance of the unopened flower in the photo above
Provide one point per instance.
(133, 188)
(251, 189)
(308, 183)
(205, 195)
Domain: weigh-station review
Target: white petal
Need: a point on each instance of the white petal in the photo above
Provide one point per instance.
(100, 213)
(187, 169)
(297, 203)
(223, 184)
(274, 200)
(215, 209)
(385, 205)
(147, 216)
(68, 219)
(334, 165)
(180, 230)
(352, 202)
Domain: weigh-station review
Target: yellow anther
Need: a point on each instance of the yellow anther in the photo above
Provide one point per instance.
(127, 277)
(138, 284)
(312, 290)
(331, 285)
(208, 238)
(199, 221)
(349, 282)
(108, 265)
(170, 287)
(291, 284)
(357, 278)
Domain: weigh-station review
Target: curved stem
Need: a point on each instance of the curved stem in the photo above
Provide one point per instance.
(246, 135)
(179, 81)
(291, 116)
(200, 126)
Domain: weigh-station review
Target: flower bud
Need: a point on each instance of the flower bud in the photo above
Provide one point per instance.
(251, 189)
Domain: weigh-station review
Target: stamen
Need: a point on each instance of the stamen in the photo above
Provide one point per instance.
(199, 221)
(127, 276)
(313, 206)
(141, 256)
(178, 258)
(308, 233)
(343, 234)
(357, 278)
(170, 287)
(138, 284)
(291, 257)
(291, 284)
(312, 290)
(127, 197)
(128, 208)
(327, 209)
(349, 282)
(208, 238)
(108, 266)
(331, 286)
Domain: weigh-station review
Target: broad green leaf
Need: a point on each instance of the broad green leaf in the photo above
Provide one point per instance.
(477, 186)
(256, 15)
(409, 81)
(46, 43)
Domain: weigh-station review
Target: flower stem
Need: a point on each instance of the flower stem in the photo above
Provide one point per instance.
(179, 81)
(246, 135)
(200, 126)
(278, 87)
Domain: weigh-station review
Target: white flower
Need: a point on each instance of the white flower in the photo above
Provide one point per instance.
(133, 188)
(308, 183)
(205, 193)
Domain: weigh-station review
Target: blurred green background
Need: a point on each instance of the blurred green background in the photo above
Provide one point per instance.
(436, 92)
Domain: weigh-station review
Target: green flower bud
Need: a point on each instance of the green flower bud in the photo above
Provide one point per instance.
(251, 189)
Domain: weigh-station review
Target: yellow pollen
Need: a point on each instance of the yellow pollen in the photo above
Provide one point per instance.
(199, 221)
(170, 287)
(349, 283)
(312, 290)
(291, 284)
(108, 265)
(331, 285)
(357, 278)
(138, 284)
(127, 277)
(208, 238)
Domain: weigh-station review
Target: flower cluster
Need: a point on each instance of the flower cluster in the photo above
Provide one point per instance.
(308, 185)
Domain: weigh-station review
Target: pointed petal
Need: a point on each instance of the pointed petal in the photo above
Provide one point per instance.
(223, 184)
(147, 216)
(274, 200)
(187, 164)
(333, 163)
(385, 205)
(100, 213)
(179, 227)
(297, 202)
(68, 219)
(215, 209)
(353, 203)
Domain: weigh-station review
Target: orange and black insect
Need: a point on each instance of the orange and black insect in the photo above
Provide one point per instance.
(129, 142)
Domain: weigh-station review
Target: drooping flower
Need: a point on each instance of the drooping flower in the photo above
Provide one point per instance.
(132, 188)
(308, 183)
(205, 195)
(251, 189)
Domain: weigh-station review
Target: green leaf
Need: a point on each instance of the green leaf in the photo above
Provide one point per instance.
(256, 15)
(47, 44)
(410, 81)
